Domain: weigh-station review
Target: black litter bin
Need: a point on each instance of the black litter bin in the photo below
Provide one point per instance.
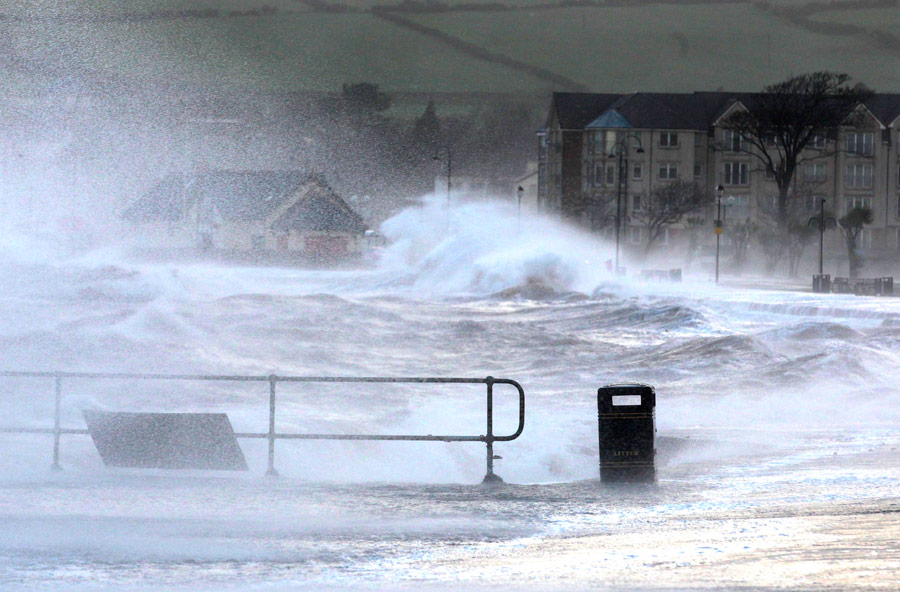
(627, 426)
(822, 283)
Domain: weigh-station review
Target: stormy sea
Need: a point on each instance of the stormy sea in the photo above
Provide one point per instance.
(777, 418)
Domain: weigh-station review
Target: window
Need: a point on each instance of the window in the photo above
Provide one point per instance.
(864, 240)
(771, 203)
(604, 142)
(636, 204)
(859, 202)
(599, 142)
(599, 173)
(814, 172)
(668, 139)
(698, 170)
(858, 176)
(770, 174)
(737, 173)
(635, 234)
(663, 238)
(734, 142)
(812, 203)
(610, 174)
(817, 142)
(668, 171)
(860, 143)
(739, 208)
(637, 170)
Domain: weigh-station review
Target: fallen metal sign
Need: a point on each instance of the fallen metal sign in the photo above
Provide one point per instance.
(165, 440)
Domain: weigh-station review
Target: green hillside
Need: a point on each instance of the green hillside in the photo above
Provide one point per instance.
(886, 18)
(529, 48)
(671, 47)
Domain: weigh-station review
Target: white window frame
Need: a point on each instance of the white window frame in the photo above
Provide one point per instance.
(734, 141)
(818, 142)
(637, 203)
(814, 171)
(864, 240)
(635, 234)
(858, 176)
(861, 143)
(599, 173)
(858, 201)
(671, 171)
(736, 173)
(668, 139)
(741, 204)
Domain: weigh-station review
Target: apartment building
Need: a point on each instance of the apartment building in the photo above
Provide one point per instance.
(656, 138)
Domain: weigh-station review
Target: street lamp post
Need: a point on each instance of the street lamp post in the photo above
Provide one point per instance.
(822, 223)
(622, 181)
(437, 156)
(520, 191)
(720, 191)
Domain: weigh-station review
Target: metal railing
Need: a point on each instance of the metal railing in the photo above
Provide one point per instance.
(271, 435)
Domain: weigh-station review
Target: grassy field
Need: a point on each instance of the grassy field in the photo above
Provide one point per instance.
(670, 48)
(62, 8)
(659, 47)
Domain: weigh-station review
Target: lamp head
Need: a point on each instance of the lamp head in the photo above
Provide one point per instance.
(720, 191)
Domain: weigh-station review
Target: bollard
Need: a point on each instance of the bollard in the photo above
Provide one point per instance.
(627, 428)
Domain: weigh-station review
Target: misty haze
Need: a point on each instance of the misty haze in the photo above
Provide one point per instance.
(277, 278)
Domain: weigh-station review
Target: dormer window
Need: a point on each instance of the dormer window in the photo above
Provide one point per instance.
(734, 141)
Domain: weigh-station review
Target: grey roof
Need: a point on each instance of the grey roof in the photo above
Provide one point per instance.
(576, 110)
(249, 196)
(235, 195)
(318, 208)
(678, 111)
(886, 108)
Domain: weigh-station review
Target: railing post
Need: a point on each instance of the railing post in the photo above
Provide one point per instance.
(271, 472)
(490, 477)
(57, 420)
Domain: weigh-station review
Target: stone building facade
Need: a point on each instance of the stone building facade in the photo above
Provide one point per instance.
(660, 137)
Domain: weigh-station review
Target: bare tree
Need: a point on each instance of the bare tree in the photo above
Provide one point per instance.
(695, 226)
(667, 204)
(852, 226)
(741, 233)
(783, 121)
